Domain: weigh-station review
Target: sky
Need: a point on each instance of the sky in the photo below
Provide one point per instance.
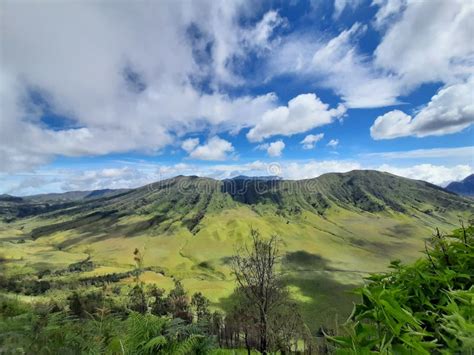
(117, 94)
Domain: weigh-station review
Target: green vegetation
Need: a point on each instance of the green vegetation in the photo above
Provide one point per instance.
(44, 329)
(424, 307)
(333, 231)
(98, 320)
(420, 308)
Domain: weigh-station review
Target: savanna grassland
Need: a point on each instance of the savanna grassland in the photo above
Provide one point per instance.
(332, 232)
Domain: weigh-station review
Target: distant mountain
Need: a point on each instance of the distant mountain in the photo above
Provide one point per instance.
(13, 206)
(73, 195)
(260, 178)
(464, 187)
(10, 198)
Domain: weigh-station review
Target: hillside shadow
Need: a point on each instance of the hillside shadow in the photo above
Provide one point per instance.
(322, 300)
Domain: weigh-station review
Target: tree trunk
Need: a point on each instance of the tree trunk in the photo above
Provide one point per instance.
(263, 333)
(247, 345)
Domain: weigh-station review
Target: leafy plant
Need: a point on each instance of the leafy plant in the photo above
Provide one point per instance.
(424, 307)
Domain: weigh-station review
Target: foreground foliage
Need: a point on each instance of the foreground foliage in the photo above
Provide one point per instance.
(421, 308)
(40, 330)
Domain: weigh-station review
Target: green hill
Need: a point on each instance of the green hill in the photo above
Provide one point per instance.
(333, 230)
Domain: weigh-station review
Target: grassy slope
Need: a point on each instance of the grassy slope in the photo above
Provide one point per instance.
(333, 231)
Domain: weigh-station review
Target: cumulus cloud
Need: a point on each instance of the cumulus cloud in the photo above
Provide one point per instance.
(214, 149)
(304, 112)
(451, 110)
(311, 139)
(275, 148)
(393, 124)
(127, 76)
(189, 144)
(333, 143)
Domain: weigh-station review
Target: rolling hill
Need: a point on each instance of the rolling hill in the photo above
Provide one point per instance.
(333, 231)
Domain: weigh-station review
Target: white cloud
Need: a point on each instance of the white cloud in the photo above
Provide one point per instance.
(443, 153)
(314, 168)
(275, 148)
(109, 178)
(340, 5)
(422, 42)
(304, 112)
(451, 110)
(215, 149)
(337, 64)
(124, 75)
(436, 174)
(388, 9)
(189, 144)
(431, 41)
(311, 139)
(393, 124)
(230, 42)
(333, 143)
(260, 36)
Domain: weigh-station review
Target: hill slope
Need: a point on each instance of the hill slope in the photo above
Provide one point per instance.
(333, 230)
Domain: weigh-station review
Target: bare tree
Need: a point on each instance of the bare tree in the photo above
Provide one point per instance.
(255, 270)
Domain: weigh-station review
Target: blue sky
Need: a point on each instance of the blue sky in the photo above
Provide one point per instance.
(96, 95)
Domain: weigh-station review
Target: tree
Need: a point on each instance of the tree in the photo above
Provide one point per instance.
(201, 307)
(137, 299)
(217, 323)
(158, 304)
(84, 304)
(178, 303)
(260, 284)
(138, 259)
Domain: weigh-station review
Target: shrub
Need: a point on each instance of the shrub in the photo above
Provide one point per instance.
(84, 304)
(424, 307)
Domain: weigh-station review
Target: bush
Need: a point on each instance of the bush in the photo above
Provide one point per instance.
(424, 307)
(85, 304)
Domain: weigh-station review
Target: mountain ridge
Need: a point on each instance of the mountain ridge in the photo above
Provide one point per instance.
(74, 195)
(367, 190)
